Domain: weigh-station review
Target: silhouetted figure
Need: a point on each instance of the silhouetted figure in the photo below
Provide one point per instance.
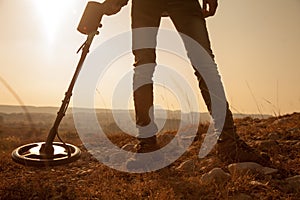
(189, 19)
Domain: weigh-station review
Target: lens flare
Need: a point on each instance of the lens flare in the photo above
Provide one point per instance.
(51, 13)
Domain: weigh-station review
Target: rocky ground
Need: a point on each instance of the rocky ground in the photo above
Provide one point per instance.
(188, 178)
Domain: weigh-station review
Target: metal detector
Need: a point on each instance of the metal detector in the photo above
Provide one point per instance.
(52, 153)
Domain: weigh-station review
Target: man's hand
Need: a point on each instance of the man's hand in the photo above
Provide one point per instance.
(209, 7)
(113, 6)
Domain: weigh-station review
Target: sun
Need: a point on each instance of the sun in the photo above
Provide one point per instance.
(51, 13)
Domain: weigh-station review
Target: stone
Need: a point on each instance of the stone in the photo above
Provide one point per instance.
(216, 175)
(242, 168)
(188, 166)
(269, 171)
(279, 121)
(294, 182)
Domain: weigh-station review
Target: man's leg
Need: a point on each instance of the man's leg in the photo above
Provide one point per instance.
(145, 14)
(188, 19)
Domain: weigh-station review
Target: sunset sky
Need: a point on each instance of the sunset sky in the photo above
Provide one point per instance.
(256, 43)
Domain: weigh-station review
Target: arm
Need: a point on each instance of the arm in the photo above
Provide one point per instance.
(114, 6)
(209, 7)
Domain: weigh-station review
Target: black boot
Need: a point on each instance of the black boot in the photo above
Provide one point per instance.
(231, 149)
(143, 162)
(147, 145)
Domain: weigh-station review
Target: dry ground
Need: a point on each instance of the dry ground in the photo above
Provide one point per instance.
(89, 179)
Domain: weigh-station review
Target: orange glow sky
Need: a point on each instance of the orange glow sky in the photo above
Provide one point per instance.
(256, 43)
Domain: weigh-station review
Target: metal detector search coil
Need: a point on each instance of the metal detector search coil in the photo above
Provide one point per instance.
(91, 18)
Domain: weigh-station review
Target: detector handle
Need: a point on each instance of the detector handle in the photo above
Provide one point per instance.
(91, 18)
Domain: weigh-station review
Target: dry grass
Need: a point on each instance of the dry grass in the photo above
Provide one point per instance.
(89, 179)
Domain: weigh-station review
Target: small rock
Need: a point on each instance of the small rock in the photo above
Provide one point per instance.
(278, 121)
(261, 124)
(268, 170)
(294, 182)
(216, 175)
(187, 166)
(241, 168)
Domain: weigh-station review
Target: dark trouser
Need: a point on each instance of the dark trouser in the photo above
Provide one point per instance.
(187, 18)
